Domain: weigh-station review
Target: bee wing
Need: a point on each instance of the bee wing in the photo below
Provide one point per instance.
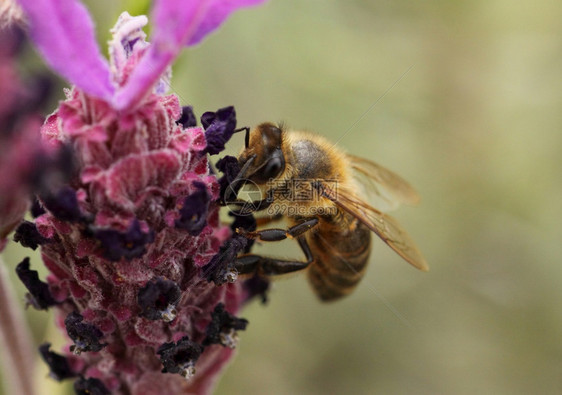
(387, 189)
(385, 226)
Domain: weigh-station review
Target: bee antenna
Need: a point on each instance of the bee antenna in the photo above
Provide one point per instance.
(247, 138)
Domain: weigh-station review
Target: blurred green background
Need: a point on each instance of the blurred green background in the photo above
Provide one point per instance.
(462, 98)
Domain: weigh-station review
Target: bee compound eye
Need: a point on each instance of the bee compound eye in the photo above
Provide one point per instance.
(274, 167)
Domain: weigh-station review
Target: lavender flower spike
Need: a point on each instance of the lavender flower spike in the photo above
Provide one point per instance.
(129, 238)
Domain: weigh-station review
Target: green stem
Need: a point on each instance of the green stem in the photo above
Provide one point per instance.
(15, 341)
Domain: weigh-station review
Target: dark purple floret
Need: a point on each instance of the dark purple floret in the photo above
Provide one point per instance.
(187, 119)
(86, 337)
(223, 326)
(180, 357)
(256, 286)
(63, 204)
(230, 168)
(246, 222)
(39, 294)
(90, 386)
(50, 175)
(194, 210)
(220, 268)
(219, 127)
(28, 235)
(37, 209)
(129, 244)
(66, 162)
(158, 299)
(58, 365)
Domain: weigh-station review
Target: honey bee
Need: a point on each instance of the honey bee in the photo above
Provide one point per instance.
(317, 187)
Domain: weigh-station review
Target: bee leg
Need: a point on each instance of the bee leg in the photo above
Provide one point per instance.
(267, 266)
(276, 234)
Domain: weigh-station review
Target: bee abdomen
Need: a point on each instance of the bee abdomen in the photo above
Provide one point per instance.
(339, 261)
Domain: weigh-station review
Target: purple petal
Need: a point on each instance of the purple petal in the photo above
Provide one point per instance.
(217, 13)
(158, 299)
(193, 214)
(222, 322)
(63, 32)
(90, 385)
(58, 365)
(179, 357)
(86, 337)
(177, 23)
(219, 128)
(128, 244)
(40, 295)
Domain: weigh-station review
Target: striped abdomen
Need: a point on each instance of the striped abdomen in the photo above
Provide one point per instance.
(340, 258)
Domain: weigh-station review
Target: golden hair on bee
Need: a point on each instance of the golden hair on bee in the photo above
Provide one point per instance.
(316, 186)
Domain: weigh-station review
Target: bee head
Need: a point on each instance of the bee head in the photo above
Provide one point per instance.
(263, 156)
